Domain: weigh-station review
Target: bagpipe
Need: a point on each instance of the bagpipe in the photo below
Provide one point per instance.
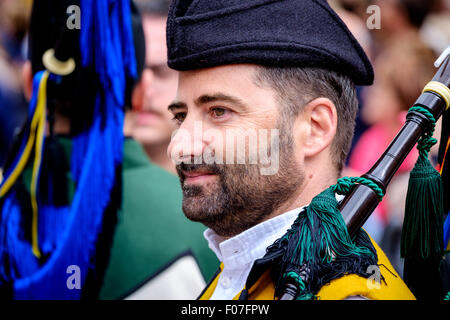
(422, 240)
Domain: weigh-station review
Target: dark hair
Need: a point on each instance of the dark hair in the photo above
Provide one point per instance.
(295, 87)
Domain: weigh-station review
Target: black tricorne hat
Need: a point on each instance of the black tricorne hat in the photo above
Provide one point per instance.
(283, 33)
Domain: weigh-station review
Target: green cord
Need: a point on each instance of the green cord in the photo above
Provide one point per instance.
(422, 230)
(345, 184)
(427, 114)
(302, 293)
(298, 280)
(426, 141)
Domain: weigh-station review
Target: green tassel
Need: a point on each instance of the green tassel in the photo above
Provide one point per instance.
(317, 248)
(423, 225)
(422, 234)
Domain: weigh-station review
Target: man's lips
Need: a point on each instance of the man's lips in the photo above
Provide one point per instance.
(197, 176)
(147, 117)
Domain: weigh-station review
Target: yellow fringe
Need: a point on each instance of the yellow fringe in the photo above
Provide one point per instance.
(35, 139)
(41, 108)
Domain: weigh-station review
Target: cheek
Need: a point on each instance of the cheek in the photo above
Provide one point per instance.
(214, 146)
(169, 150)
(298, 136)
(137, 97)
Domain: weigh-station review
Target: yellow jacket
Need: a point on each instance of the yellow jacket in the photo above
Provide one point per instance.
(391, 286)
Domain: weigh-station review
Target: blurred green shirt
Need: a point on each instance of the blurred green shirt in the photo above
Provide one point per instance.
(152, 234)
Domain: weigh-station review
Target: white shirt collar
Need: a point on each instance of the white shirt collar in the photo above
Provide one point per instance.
(239, 252)
(233, 250)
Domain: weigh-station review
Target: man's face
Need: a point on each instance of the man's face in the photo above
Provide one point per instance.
(233, 151)
(152, 122)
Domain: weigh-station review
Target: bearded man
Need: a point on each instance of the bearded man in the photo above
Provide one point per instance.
(288, 67)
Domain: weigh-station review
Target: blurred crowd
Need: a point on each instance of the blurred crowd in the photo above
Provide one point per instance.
(403, 46)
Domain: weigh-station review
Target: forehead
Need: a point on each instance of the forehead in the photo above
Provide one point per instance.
(237, 80)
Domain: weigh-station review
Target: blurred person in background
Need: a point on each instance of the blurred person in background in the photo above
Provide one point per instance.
(14, 16)
(400, 17)
(435, 30)
(12, 105)
(144, 248)
(149, 122)
(156, 252)
(397, 18)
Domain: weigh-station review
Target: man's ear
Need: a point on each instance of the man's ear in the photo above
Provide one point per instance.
(27, 76)
(319, 122)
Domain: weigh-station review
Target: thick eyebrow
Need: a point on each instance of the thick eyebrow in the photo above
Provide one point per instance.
(177, 105)
(208, 98)
(220, 97)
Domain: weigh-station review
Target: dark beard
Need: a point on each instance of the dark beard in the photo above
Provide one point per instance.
(239, 197)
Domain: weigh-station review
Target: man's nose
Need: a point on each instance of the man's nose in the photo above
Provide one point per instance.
(187, 143)
(148, 79)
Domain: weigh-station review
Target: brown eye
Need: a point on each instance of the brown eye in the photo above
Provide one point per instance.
(218, 112)
(179, 117)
